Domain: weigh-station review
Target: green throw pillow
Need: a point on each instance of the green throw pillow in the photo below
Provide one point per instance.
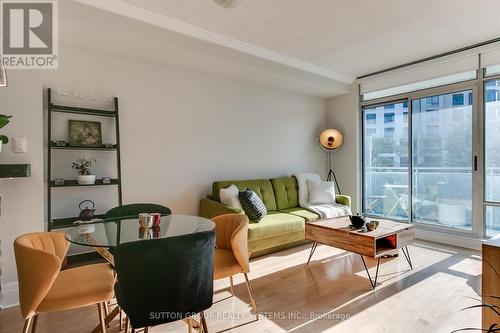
(252, 205)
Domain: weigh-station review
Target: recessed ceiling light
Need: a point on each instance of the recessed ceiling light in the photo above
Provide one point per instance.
(228, 3)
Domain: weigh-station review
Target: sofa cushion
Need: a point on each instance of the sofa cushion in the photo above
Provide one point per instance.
(307, 214)
(229, 196)
(286, 192)
(275, 224)
(262, 187)
(252, 205)
(321, 193)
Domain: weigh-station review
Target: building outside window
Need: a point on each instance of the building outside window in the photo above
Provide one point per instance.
(371, 119)
(389, 132)
(389, 117)
(458, 99)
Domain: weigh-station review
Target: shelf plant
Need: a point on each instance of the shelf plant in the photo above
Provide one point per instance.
(4, 120)
(82, 166)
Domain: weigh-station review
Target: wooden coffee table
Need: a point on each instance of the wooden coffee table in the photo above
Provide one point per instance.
(389, 236)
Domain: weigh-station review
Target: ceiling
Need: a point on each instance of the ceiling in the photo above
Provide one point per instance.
(312, 46)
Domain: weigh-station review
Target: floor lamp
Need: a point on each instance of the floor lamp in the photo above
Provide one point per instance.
(331, 140)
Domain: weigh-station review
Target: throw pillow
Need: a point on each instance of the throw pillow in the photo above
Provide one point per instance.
(321, 192)
(229, 196)
(302, 179)
(252, 205)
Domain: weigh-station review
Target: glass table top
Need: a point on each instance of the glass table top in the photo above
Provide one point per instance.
(111, 232)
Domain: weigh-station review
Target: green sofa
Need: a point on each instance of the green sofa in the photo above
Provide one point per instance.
(284, 224)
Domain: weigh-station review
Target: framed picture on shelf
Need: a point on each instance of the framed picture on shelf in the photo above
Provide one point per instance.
(85, 133)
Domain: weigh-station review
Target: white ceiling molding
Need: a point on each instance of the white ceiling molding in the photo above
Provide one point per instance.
(140, 14)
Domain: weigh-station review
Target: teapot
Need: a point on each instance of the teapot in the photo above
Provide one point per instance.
(357, 221)
(86, 213)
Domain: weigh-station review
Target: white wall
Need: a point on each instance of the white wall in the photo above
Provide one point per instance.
(22, 199)
(181, 130)
(342, 114)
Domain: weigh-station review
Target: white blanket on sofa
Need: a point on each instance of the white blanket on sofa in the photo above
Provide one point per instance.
(330, 210)
(323, 210)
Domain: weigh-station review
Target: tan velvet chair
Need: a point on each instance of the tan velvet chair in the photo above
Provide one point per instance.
(231, 252)
(43, 287)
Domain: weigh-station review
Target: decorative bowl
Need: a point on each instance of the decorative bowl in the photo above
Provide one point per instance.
(372, 225)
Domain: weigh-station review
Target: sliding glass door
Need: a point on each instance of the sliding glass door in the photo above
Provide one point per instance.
(418, 160)
(385, 160)
(492, 157)
(442, 160)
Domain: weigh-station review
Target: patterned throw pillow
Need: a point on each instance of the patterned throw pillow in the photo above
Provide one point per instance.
(252, 205)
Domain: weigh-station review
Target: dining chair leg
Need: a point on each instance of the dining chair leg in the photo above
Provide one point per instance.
(106, 313)
(27, 323)
(146, 329)
(102, 317)
(33, 325)
(127, 324)
(189, 322)
(232, 285)
(203, 322)
(254, 307)
(121, 320)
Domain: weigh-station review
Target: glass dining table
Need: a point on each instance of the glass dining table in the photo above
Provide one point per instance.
(105, 234)
(108, 233)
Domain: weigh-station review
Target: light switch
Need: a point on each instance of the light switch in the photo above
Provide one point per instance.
(20, 144)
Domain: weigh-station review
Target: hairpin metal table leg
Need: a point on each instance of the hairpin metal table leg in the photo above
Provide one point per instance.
(313, 248)
(407, 256)
(372, 282)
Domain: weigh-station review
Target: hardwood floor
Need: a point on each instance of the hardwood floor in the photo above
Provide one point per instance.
(332, 294)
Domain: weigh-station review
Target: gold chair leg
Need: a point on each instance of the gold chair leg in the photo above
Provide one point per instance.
(203, 322)
(35, 321)
(106, 313)
(127, 324)
(121, 320)
(189, 322)
(254, 307)
(27, 323)
(232, 285)
(102, 316)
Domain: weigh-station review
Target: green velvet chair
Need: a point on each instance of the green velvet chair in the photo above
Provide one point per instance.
(136, 209)
(165, 280)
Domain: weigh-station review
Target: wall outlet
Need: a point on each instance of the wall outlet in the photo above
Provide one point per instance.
(20, 145)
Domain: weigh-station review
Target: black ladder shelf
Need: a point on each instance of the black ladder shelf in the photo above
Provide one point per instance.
(66, 222)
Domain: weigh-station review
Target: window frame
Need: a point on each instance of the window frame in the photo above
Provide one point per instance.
(478, 222)
(484, 202)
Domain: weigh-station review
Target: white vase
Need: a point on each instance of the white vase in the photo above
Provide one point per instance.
(85, 179)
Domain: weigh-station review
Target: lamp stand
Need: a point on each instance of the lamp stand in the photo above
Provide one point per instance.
(331, 174)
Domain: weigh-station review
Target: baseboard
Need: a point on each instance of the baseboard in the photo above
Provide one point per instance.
(449, 239)
(9, 296)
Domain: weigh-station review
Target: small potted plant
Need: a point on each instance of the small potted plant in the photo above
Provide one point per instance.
(82, 166)
(4, 120)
